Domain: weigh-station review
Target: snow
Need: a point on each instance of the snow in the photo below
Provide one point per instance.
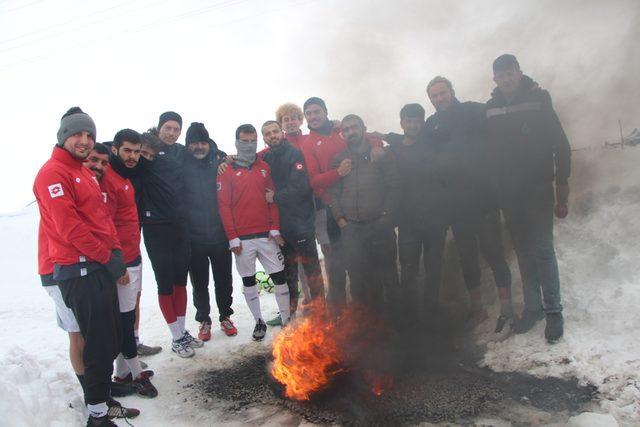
(599, 256)
(598, 251)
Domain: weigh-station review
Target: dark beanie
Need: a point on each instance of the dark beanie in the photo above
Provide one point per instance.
(73, 121)
(196, 133)
(504, 62)
(315, 100)
(169, 115)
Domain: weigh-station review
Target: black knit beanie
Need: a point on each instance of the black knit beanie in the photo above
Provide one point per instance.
(169, 115)
(196, 133)
(315, 100)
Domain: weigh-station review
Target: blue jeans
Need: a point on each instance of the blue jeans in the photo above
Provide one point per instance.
(529, 218)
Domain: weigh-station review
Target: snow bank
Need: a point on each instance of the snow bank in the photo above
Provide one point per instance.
(598, 250)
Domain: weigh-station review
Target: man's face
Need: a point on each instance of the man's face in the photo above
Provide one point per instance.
(272, 135)
(440, 96)
(411, 126)
(199, 149)
(97, 163)
(248, 137)
(508, 80)
(170, 132)
(291, 124)
(147, 152)
(315, 116)
(79, 144)
(129, 153)
(353, 132)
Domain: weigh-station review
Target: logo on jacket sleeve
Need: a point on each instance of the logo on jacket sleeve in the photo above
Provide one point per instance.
(263, 172)
(218, 186)
(104, 197)
(299, 166)
(56, 190)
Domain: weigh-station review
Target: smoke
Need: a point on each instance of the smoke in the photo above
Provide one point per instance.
(372, 57)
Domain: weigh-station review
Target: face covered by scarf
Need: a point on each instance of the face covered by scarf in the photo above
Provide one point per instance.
(246, 152)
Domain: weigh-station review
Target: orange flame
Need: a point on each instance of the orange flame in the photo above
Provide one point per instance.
(380, 383)
(307, 354)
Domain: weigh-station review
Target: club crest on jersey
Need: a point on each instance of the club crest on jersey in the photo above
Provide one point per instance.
(126, 186)
(78, 180)
(56, 190)
(299, 166)
(218, 186)
(104, 197)
(238, 173)
(263, 172)
(319, 142)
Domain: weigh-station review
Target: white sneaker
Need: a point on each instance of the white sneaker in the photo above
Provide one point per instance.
(192, 341)
(182, 349)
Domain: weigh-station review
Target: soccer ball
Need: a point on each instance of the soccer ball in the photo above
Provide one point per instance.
(264, 282)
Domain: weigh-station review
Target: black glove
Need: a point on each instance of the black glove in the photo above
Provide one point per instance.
(116, 266)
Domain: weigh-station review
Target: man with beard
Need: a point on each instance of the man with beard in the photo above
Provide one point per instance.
(455, 143)
(165, 232)
(119, 196)
(294, 199)
(252, 225)
(208, 241)
(319, 148)
(529, 150)
(363, 204)
(87, 257)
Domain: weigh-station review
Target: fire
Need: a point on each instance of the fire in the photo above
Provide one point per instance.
(307, 354)
(310, 352)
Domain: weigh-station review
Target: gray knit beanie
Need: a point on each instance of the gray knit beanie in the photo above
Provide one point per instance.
(73, 121)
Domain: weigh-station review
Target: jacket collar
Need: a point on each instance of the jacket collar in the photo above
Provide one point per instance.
(65, 157)
(527, 84)
(325, 129)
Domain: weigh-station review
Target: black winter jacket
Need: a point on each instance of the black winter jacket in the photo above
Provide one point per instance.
(200, 197)
(293, 194)
(527, 143)
(162, 185)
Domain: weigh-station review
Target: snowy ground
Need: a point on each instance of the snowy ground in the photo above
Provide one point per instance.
(599, 255)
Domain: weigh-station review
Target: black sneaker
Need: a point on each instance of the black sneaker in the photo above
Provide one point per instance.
(147, 350)
(260, 330)
(144, 388)
(121, 389)
(527, 321)
(100, 421)
(116, 410)
(555, 327)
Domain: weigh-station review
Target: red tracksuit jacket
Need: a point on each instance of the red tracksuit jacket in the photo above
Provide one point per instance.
(318, 151)
(241, 201)
(121, 205)
(45, 266)
(73, 213)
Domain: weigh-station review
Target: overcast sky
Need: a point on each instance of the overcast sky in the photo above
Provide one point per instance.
(227, 62)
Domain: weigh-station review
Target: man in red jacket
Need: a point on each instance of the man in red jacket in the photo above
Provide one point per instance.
(252, 225)
(84, 248)
(121, 205)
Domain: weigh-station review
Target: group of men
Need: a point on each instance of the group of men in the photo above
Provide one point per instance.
(338, 185)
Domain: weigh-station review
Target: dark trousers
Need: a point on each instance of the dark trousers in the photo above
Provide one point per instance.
(219, 257)
(129, 347)
(412, 242)
(529, 220)
(490, 239)
(168, 248)
(337, 295)
(94, 301)
(370, 250)
(303, 250)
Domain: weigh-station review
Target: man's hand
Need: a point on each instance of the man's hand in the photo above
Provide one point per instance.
(269, 196)
(562, 200)
(376, 135)
(124, 280)
(230, 159)
(222, 167)
(344, 168)
(377, 153)
(279, 240)
(237, 249)
(342, 223)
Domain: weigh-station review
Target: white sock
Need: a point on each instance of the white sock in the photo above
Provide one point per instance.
(122, 370)
(98, 410)
(176, 331)
(253, 301)
(282, 298)
(181, 322)
(134, 366)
